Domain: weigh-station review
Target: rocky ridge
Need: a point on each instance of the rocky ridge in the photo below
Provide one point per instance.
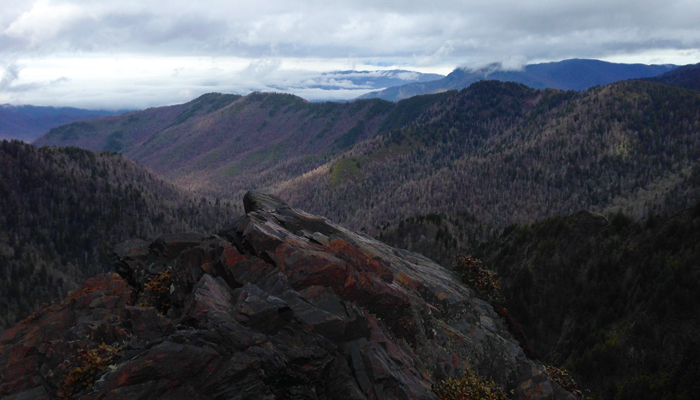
(281, 304)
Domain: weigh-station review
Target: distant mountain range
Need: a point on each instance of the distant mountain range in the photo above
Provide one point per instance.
(228, 143)
(29, 122)
(575, 74)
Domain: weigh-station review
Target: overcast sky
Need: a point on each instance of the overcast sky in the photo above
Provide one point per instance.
(136, 54)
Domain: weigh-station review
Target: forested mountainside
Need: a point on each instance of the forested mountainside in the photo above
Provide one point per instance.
(616, 301)
(118, 132)
(225, 144)
(687, 76)
(29, 122)
(574, 74)
(441, 236)
(501, 152)
(63, 209)
(506, 153)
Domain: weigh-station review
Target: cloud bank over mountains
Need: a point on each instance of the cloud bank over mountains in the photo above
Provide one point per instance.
(155, 50)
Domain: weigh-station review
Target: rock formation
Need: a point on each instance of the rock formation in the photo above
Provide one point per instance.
(280, 305)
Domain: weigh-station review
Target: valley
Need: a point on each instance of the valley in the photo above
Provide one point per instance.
(585, 205)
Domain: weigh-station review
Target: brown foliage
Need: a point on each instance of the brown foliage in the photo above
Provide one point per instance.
(84, 367)
(156, 291)
(481, 280)
(471, 387)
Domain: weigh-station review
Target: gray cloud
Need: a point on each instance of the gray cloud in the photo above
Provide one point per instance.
(447, 29)
(409, 34)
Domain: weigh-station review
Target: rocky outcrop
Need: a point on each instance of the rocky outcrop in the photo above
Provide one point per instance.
(280, 305)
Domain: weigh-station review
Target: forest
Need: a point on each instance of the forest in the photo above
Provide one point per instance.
(64, 209)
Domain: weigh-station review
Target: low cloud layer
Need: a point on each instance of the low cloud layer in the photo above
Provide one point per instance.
(260, 45)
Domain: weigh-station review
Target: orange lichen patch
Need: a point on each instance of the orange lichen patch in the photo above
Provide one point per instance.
(305, 267)
(455, 360)
(230, 255)
(408, 282)
(353, 255)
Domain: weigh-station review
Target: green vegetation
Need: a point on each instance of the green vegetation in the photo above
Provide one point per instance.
(345, 169)
(205, 104)
(72, 131)
(437, 236)
(114, 142)
(350, 137)
(409, 110)
(617, 301)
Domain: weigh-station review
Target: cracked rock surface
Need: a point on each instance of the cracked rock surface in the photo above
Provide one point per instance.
(279, 305)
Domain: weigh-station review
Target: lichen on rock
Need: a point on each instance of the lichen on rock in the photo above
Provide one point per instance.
(280, 304)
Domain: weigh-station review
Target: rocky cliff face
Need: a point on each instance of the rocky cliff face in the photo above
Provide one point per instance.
(282, 305)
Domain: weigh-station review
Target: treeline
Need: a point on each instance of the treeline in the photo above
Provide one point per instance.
(63, 209)
(439, 237)
(614, 300)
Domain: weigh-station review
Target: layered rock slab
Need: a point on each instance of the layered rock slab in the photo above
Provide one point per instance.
(280, 305)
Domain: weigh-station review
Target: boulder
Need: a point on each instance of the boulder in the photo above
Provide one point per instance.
(279, 305)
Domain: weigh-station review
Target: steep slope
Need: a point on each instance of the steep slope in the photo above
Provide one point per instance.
(572, 74)
(227, 144)
(281, 305)
(116, 133)
(499, 151)
(687, 76)
(507, 153)
(29, 122)
(617, 301)
(61, 211)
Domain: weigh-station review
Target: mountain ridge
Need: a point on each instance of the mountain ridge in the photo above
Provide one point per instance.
(572, 74)
(687, 76)
(318, 155)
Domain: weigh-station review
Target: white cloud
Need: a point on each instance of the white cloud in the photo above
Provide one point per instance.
(44, 21)
(176, 46)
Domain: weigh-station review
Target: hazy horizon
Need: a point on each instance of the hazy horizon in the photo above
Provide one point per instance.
(139, 54)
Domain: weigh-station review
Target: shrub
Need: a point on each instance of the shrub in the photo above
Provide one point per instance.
(563, 377)
(471, 387)
(84, 367)
(481, 280)
(157, 290)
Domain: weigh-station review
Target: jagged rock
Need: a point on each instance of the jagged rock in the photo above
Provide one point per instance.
(281, 304)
